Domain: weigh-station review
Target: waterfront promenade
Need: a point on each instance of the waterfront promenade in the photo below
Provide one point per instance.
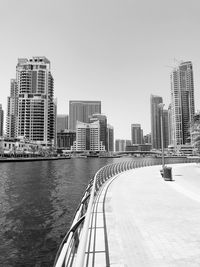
(140, 219)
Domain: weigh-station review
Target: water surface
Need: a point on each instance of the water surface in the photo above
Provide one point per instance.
(37, 204)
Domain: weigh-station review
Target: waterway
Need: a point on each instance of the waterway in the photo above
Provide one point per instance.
(37, 204)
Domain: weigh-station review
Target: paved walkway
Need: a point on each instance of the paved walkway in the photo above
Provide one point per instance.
(152, 222)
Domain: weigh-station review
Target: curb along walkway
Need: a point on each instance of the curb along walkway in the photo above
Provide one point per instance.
(152, 222)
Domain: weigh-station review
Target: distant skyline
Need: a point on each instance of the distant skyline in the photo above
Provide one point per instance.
(113, 51)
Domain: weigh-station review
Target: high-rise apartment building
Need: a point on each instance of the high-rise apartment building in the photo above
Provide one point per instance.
(12, 110)
(136, 134)
(182, 102)
(62, 122)
(1, 120)
(103, 127)
(155, 102)
(88, 137)
(36, 107)
(81, 111)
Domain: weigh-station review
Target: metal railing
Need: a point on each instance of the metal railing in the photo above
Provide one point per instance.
(72, 249)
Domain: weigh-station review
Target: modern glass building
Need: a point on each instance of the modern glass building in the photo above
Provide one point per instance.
(155, 102)
(1, 120)
(136, 134)
(81, 111)
(110, 138)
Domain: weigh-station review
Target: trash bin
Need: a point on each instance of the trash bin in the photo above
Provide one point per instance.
(167, 173)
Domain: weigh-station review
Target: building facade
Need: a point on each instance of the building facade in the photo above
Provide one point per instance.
(12, 110)
(147, 138)
(170, 139)
(36, 107)
(165, 128)
(121, 144)
(65, 139)
(182, 103)
(110, 138)
(195, 133)
(155, 102)
(88, 137)
(136, 134)
(1, 120)
(81, 111)
(103, 127)
(62, 122)
(141, 147)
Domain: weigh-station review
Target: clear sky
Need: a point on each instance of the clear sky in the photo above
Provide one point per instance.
(116, 51)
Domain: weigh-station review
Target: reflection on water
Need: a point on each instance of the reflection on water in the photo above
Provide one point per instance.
(37, 204)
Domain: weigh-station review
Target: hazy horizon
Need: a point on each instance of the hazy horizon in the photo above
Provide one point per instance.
(116, 52)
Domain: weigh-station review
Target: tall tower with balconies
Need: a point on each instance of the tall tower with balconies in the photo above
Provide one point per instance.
(182, 102)
(36, 118)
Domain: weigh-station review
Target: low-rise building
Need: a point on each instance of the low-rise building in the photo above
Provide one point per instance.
(65, 139)
(88, 137)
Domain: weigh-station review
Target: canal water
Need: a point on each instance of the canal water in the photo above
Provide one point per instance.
(37, 204)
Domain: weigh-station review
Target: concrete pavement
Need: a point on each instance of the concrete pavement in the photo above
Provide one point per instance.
(152, 222)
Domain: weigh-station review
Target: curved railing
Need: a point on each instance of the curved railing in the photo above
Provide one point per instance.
(72, 249)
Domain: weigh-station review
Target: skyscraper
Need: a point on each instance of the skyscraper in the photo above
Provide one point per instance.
(165, 128)
(1, 120)
(12, 110)
(182, 102)
(36, 107)
(136, 134)
(156, 121)
(81, 111)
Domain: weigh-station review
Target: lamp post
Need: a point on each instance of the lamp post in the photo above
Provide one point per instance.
(161, 105)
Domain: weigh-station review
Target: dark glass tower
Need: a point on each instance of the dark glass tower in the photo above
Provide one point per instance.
(156, 121)
(81, 111)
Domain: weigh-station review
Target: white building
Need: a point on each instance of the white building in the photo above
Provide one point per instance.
(88, 137)
(36, 108)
